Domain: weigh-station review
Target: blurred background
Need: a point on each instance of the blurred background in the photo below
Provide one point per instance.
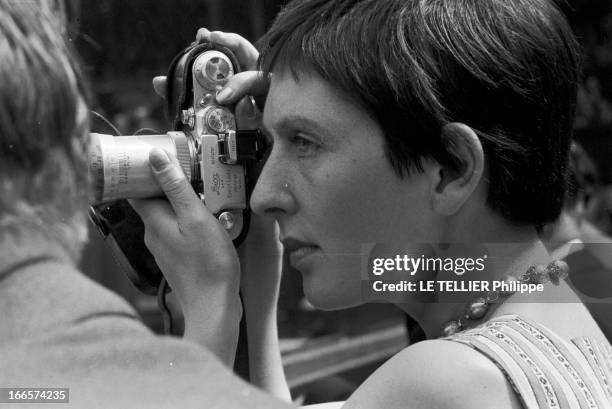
(123, 44)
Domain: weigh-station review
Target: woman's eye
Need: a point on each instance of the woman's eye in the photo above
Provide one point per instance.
(303, 146)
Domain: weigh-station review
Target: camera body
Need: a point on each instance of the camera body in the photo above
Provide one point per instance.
(214, 155)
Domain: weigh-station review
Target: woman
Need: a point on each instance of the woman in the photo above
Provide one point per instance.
(442, 128)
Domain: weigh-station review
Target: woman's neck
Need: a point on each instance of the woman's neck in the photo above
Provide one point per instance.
(520, 250)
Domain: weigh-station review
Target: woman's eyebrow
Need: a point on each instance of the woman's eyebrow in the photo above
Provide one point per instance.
(296, 122)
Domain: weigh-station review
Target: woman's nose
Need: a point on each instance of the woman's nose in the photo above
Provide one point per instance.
(273, 194)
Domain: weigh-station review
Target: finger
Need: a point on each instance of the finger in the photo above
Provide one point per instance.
(156, 214)
(202, 35)
(157, 240)
(159, 85)
(241, 84)
(246, 52)
(172, 181)
(247, 114)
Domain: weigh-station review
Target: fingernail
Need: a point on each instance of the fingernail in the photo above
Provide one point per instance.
(250, 109)
(159, 159)
(246, 108)
(224, 94)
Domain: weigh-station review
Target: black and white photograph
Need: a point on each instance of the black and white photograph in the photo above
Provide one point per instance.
(322, 204)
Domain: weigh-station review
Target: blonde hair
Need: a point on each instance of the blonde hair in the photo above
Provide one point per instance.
(44, 126)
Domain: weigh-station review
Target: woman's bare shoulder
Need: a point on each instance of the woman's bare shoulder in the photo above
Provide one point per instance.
(437, 373)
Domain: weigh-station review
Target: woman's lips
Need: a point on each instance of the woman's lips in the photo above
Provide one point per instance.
(298, 256)
(299, 251)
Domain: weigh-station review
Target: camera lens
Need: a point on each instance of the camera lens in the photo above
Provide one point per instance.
(119, 165)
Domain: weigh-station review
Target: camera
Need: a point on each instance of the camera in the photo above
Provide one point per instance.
(216, 158)
(211, 152)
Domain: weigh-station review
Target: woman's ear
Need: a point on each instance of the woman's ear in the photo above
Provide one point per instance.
(458, 180)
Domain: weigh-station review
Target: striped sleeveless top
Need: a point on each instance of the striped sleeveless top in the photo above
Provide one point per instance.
(545, 371)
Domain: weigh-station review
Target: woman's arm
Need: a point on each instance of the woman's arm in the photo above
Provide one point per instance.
(210, 304)
(196, 256)
(260, 254)
(261, 258)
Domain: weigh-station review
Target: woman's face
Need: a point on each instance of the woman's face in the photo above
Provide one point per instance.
(332, 190)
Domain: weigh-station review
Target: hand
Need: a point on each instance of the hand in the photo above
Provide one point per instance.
(260, 253)
(197, 258)
(185, 250)
(247, 116)
(191, 248)
(249, 82)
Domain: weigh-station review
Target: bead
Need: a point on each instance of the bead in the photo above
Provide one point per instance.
(540, 272)
(477, 308)
(557, 270)
(451, 328)
(534, 274)
(509, 279)
(492, 296)
(563, 267)
(529, 275)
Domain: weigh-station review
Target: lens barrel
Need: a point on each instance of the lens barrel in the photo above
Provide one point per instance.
(119, 165)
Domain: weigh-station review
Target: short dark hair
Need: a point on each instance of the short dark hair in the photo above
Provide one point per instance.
(507, 69)
(583, 177)
(44, 124)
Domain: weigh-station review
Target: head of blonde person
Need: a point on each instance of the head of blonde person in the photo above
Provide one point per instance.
(43, 128)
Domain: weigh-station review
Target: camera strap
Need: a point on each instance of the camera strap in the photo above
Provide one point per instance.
(123, 231)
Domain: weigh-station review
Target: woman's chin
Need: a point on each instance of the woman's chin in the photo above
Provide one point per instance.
(333, 283)
(326, 296)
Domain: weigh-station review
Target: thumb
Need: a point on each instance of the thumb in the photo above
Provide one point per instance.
(247, 114)
(173, 182)
(159, 85)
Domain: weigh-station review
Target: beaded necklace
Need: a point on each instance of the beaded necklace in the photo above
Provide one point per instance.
(478, 308)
